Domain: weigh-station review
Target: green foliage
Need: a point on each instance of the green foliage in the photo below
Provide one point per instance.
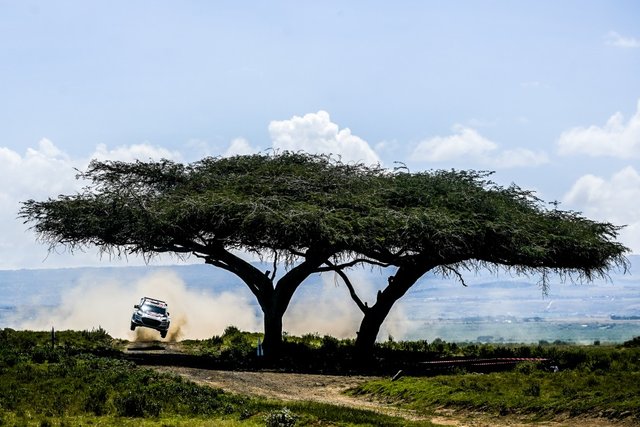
(80, 388)
(291, 202)
(37, 346)
(234, 349)
(316, 211)
(592, 381)
(635, 342)
(280, 418)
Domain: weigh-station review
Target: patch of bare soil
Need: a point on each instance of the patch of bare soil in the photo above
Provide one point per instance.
(290, 387)
(330, 389)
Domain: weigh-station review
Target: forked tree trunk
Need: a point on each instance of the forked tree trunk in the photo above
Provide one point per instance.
(273, 300)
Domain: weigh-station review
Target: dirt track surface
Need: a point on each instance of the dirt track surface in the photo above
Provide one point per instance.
(329, 389)
(288, 387)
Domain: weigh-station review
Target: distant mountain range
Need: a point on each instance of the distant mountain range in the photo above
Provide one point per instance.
(485, 293)
(500, 300)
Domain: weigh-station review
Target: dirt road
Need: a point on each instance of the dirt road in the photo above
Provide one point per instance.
(330, 388)
(288, 387)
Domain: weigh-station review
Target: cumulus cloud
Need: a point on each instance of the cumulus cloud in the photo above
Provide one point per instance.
(240, 147)
(467, 144)
(38, 173)
(130, 153)
(616, 200)
(617, 40)
(615, 139)
(316, 133)
(46, 171)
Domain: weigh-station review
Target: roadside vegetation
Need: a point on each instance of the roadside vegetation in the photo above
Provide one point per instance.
(85, 378)
(605, 384)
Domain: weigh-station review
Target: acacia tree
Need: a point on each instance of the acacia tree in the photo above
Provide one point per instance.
(293, 208)
(448, 221)
(313, 213)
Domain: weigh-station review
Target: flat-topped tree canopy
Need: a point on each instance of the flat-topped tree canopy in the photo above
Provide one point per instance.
(448, 220)
(318, 214)
(304, 208)
(451, 217)
(284, 202)
(296, 201)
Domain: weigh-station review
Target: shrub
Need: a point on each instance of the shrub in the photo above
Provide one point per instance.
(635, 342)
(280, 418)
(132, 404)
(533, 390)
(96, 399)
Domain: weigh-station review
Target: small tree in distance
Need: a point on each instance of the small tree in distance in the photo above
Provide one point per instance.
(313, 213)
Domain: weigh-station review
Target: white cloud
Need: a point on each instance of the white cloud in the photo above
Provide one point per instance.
(467, 144)
(616, 200)
(42, 172)
(130, 153)
(520, 157)
(617, 40)
(239, 147)
(614, 139)
(315, 133)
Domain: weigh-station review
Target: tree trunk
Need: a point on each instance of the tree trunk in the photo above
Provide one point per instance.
(272, 343)
(368, 332)
(406, 276)
(273, 300)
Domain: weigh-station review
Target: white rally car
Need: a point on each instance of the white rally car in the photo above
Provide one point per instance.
(151, 313)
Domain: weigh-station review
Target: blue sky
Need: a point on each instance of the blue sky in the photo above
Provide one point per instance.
(544, 93)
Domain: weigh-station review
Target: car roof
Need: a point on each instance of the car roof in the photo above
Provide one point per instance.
(154, 301)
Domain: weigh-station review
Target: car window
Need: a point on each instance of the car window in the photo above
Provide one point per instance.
(154, 309)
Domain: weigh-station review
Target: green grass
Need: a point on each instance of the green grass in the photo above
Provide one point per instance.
(605, 383)
(73, 383)
(84, 380)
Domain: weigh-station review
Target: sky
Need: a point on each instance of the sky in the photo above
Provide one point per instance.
(544, 93)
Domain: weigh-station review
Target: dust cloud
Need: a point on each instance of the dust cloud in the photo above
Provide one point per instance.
(326, 308)
(109, 304)
(322, 305)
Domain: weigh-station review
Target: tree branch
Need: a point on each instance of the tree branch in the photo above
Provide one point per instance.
(352, 263)
(259, 284)
(455, 272)
(354, 296)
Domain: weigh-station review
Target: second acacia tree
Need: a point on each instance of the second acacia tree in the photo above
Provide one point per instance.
(451, 221)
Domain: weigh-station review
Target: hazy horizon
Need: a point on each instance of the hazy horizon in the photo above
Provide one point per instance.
(204, 300)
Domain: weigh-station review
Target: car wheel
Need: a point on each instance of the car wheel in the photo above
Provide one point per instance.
(133, 326)
(163, 334)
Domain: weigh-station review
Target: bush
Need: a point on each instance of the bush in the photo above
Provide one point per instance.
(533, 390)
(280, 418)
(133, 404)
(635, 342)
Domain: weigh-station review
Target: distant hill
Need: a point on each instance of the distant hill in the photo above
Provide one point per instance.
(432, 297)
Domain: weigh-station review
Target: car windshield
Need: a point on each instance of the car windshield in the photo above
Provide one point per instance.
(154, 309)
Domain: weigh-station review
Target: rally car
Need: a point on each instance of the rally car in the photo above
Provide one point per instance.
(151, 313)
